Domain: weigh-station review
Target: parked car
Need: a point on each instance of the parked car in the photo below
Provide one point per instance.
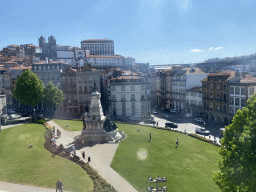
(154, 112)
(14, 116)
(25, 114)
(149, 121)
(200, 120)
(202, 130)
(171, 125)
(174, 110)
(189, 115)
(135, 118)
(10, 111)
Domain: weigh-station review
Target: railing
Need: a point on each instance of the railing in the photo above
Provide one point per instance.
(133, 100)
(113, 100)
(123, 100)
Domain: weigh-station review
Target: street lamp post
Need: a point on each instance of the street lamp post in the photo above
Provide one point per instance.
(34, 114)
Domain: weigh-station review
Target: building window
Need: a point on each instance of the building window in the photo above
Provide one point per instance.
(133, 105)
(224, 108)
(210, 86)
(79, 79)
(199, 94)
(114, 106)
(217, 106)
(224, 97)
(231, 101)
(85, 89)
(80, 89)
(237, 90)
(211, 95)
(113, 97)
(251, 90)
(218, 86)
(205, 95)
(133, 97)
(217, 96)
(90, 80)
(122, 88)
(42, 77)
(211, 105)
(142, 97)
(204, 85)
(225, 86)
(243, 102)
(123, 106)
(113, 88)
(232, 90)
(242, 91)
(142, 88)
(85, 80)
(237, 102)
(90, 89)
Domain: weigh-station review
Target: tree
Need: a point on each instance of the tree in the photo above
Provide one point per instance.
(29, 89)
(53, 96)
(238, 151)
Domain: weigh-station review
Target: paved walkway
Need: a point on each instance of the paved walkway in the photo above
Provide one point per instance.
(11, 187)
(101, 157)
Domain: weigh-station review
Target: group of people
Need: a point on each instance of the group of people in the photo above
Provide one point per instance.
(58, 132)
(59, 186)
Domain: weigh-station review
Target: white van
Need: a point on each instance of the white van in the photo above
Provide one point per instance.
(135, 118)
(202, 131)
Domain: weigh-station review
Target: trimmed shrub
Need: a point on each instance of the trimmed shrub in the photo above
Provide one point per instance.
(40, 121)
(203, 139)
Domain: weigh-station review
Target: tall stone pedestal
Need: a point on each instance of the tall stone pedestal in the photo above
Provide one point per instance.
(93, 131)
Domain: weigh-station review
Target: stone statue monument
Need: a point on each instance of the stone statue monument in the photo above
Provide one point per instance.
(93, 131)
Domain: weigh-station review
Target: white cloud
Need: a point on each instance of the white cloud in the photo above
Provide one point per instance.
(218, 48)
(211, 48)
(197, 50)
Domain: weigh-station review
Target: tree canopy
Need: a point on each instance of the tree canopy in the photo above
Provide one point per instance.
(238, 151)
(29, 89)
(53, 96)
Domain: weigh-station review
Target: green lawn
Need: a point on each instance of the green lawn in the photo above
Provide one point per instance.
(73, 125)
(36, 166)
(189, 167)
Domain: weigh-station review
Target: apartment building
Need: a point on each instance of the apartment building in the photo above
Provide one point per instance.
(181, 81)
(216, 96)
(240, 90)
(77, 85)
(98, 46)
(194, 101)
(130, 95)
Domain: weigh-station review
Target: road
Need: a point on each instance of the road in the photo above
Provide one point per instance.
(187, 123)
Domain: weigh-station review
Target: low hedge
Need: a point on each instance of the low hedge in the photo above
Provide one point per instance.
(203, 139)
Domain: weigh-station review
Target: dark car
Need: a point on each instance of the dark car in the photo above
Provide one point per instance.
(25, 114)
(171, 125)
(150, 121)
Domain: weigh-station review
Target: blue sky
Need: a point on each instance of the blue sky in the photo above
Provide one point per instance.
(154, 31)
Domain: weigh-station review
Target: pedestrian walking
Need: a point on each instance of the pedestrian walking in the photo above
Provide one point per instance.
(53, 130)
(149, 136)
(177, 143)
(89, 159)
(61, 186)
(83, 154)
(58, 133)
(73, 148)
(57, 185)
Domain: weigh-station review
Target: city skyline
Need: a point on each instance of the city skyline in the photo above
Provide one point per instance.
(158, 32)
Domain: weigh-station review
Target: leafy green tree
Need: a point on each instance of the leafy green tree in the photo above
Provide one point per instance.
(53, 96)
(29, 89)
(238, 151)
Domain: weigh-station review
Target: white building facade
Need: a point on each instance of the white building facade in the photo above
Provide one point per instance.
(130, 96)
(194, 101)
(98, 46)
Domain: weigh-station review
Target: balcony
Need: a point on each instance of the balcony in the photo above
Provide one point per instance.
(133, 100)
(113, 100)
(123, 100)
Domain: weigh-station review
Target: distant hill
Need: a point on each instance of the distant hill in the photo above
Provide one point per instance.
(212, 67)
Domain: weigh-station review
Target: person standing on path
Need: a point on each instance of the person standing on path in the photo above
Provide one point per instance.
(57, 185)
(157, 124)
(83, 154)
(89, 159)
(61, 186)
(149, 136)
(177, 143)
